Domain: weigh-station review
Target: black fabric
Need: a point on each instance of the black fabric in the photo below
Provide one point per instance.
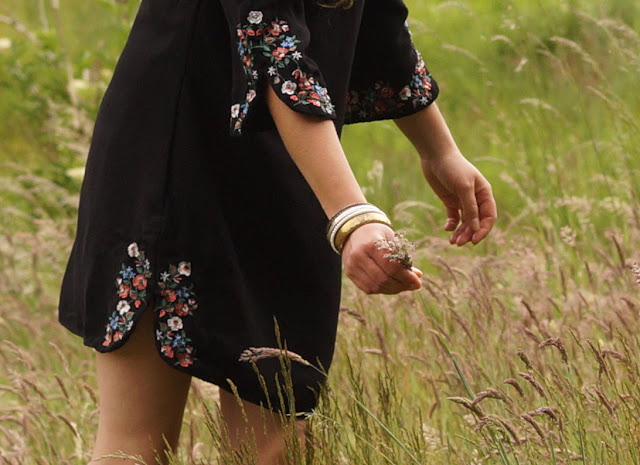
(210, 221)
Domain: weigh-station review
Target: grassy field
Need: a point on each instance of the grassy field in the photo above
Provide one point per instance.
(522, 350)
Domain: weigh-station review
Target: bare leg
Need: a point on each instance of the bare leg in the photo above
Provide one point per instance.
(269, 431)
(142, 400)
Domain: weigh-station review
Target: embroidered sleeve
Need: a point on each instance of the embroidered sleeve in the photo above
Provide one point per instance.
(269, 49)
(389, 78)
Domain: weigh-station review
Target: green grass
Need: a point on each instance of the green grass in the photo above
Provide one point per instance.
(540, 95)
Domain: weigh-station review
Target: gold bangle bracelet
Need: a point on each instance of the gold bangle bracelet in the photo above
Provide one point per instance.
(355, 222)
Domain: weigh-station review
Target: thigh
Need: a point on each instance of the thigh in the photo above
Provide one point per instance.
(142, 399)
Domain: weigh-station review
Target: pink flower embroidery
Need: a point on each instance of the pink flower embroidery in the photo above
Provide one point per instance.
(271, 40)
(140, 282)
(176, 308)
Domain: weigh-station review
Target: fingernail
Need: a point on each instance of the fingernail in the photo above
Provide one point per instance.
(475, 224)
(417, 271)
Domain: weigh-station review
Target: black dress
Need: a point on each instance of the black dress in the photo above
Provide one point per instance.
(190, 201)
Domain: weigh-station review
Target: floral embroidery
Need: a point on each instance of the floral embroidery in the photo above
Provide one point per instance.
(260, 40)
(178, 304)
(382, 101)
(131, 286)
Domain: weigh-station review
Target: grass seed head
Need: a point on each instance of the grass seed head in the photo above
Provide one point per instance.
(253, 354)
(529, 419)
(598, 355)
(534, 383)
(525, 359)
(515, 384)
(490, 394)
(467, 404)
(615, 354)
(399, 248)
(603, 399)
(635, 269)
(558, 344)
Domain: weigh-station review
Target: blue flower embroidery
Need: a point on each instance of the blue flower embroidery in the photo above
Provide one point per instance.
(261, 40)
(127, 273)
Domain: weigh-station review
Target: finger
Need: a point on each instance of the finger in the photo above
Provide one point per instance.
(470, 207)
(486, 225)
(465, 235)
(377, 280)
(485, 228)
(408, 280)
(453, 218)
(394, 270)
(391, 290)
(488, 214)
(385, 264)
(395, 278)
(479, 235)
(361, 279)
(395, 286)
(454, 237)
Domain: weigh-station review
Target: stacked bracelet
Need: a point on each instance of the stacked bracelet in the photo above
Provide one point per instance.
(354, 223)
(350, 218)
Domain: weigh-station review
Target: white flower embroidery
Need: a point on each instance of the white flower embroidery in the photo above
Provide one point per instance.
(175, 323)
(254, 74)
(251, 95)
(255, 17)
(235, 110)
(289, 87)
(405, 93)
(296, 55)
(184, 268)
(164, 276)
(272, 71)
(133, 250)
(420, 66)
(123, 307)
(329, 108)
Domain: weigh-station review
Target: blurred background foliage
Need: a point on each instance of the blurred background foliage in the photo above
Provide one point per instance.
(542, 95)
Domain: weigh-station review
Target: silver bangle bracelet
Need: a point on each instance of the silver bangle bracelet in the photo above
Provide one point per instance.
(344, 216)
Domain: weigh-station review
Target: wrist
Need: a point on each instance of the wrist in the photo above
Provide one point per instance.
(334, 208)
(440, 153)
(356, 224)
(350, 218)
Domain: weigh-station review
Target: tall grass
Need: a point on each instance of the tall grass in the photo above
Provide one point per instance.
(522, 350)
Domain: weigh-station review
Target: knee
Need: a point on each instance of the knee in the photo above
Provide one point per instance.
(128, 447)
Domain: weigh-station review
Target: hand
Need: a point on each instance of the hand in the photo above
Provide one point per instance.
(366, 266)
(466, 195)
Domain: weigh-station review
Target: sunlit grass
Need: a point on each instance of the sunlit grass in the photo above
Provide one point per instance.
(522, 350)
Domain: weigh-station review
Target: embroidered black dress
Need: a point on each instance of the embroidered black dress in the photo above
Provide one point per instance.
(190, 202)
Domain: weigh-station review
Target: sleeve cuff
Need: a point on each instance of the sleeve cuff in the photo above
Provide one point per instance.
(270, 49)
(382, 101)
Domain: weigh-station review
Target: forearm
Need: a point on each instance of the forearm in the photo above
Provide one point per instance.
(428, 132)
(315, 148)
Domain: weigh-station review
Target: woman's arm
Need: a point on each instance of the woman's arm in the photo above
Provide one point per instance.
(315, 148)
(466, 194)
